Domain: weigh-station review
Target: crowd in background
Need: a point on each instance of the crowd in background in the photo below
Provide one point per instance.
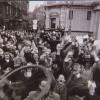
(74, 63)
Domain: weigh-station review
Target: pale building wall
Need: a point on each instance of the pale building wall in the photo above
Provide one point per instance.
(96, 24)
(98, 35)
(63, 17)
(92, 21)
(47, 19)
(79, 21)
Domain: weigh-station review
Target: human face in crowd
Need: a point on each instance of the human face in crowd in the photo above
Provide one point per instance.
(55, 66)
(91, 38)
(76, 69)
(18, 62)
(19, 46)
(91, 86)
(68, 60)
(8, 35)
(35, 55)
(7, 55)
(5, 38)
(54, 38)
(59, 47)
(89, 45)
(61, 79)
(18, 33)
(69, 56)
(28, 49)
(48, 51)
(42, 85)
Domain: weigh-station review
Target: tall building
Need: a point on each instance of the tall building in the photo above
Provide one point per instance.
(39, 15)
(82, 16)
(13, 14)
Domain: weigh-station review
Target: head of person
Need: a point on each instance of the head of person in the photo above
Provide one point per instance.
(91, 39)
(42, 62)
(69, 56)
(54, 65)
(42, 31)
(18, 33)
(76, 68)
(68, 62)
(44, 50)
(89, 46)
(35, 56)
(28, 49)
(61, 79)
(67, 38)
(59, 47)
(27, 42)
(80, 89)
(53, 33)
(17, 62)
(20, 46)
(91, 86)
(5, 39)
(48, 52)
(43, 85)
(54, 38)
(7, 55)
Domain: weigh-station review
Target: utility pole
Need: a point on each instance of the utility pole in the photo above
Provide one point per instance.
(71, 15)
(60, 19)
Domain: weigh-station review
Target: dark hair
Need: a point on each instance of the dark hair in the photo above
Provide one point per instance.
(52, 86)
(79, 92)
(42, 62)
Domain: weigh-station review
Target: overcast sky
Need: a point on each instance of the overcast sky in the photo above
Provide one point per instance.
(33, 4)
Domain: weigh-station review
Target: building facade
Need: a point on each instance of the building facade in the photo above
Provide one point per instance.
(82, 16)
(13, 14)
(39, 15)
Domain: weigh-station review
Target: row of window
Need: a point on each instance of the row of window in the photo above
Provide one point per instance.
(88, 15)
(53, 20)
(11, 11)
(7, 10)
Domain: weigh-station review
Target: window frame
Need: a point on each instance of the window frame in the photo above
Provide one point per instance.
(88, 15)
(70, 14)
(53, 22)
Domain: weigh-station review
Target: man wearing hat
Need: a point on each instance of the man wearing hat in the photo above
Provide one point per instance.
(77, 87)
(34, 95)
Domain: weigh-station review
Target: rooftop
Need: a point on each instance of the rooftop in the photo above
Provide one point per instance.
(74, 3)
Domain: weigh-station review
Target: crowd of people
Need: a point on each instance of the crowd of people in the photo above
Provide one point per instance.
(72, 61)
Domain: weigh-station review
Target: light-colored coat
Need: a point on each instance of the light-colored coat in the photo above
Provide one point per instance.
(34, 94)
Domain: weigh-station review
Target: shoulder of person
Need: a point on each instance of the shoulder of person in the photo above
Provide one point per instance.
(56, 95)
(32, 93)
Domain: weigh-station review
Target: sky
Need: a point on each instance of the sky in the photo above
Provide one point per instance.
(33, 4)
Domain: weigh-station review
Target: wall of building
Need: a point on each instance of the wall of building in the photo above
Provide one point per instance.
(39, 15)
(97, 25)
(78, 23)
(13, 14)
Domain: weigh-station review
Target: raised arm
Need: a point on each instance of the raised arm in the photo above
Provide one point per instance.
(96, 58)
